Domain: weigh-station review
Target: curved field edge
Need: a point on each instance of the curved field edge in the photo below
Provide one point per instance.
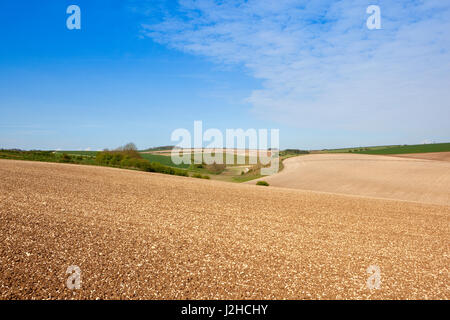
(377, 176)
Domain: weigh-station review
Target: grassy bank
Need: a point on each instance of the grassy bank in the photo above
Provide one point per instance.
(46, 156)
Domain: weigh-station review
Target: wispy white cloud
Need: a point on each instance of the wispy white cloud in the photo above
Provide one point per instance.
(319, 64)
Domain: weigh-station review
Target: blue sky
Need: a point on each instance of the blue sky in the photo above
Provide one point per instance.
(137, 70)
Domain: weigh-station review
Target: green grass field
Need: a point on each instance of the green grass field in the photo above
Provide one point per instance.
(161, 148)
(355, 149)
(399, 149)
(246, 178)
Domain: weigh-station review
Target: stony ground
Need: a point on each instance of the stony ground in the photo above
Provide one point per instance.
(141, 235)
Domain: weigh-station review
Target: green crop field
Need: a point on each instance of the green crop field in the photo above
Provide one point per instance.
(355, 149)
(397, 149)
(419, 148)
(165, 160)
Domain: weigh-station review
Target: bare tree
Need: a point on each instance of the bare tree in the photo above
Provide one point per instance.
(130, 147)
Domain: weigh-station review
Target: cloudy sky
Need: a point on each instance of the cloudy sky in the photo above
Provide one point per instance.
(137, 70)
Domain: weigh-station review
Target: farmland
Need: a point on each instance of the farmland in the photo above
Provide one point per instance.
(307, 232)
(379, 176)
(396, 149)
(166, 160)
(139, 235)
(244, 167)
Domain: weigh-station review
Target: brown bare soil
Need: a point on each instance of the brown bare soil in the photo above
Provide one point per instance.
(142, 235)
(367, 175)
(439, 156)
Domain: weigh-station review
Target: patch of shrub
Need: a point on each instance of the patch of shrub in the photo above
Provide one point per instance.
(182, 173)
(262, 183)
(160, 168)
(215, 168)
(292, 152)
(65, 158)
(200, 176)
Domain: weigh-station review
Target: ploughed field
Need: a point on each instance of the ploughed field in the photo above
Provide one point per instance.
(144, 235)
(393, 177)
(439, 156)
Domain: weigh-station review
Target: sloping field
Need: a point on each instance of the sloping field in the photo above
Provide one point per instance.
(142, 235)
(367, 175)
(438, 156)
